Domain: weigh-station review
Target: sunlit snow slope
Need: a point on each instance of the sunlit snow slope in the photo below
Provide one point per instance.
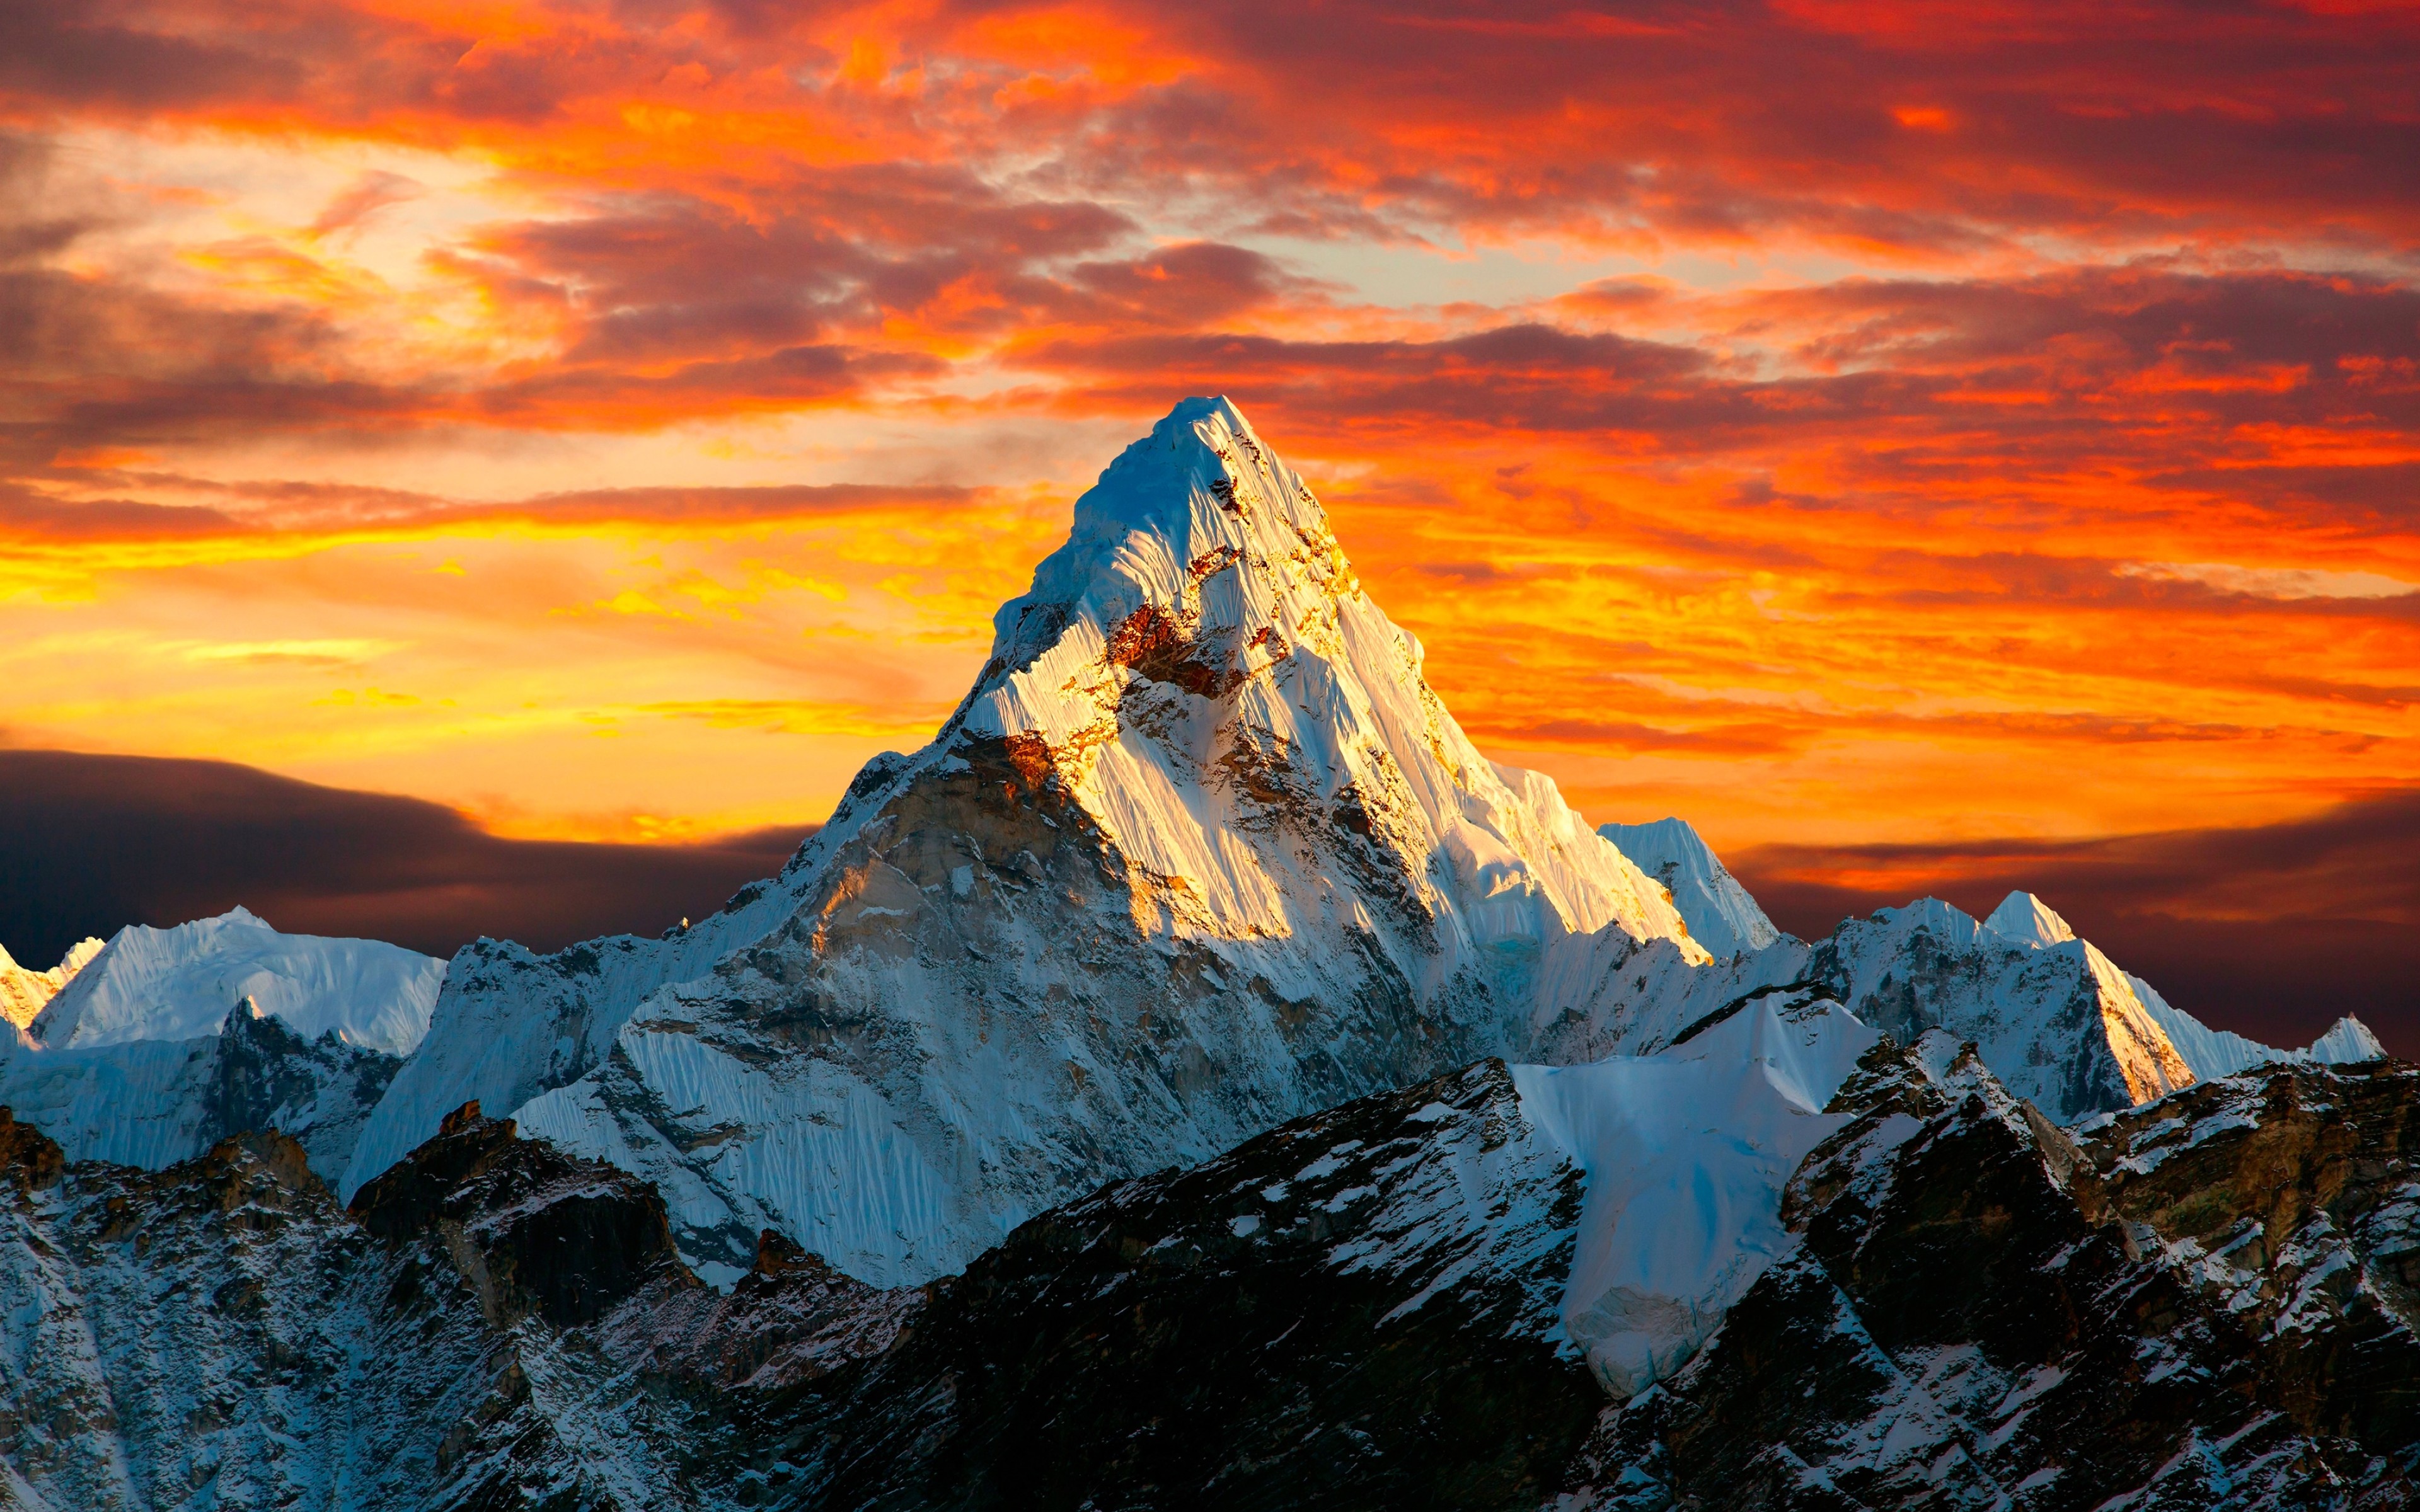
(25, 992)
(2209, 1052)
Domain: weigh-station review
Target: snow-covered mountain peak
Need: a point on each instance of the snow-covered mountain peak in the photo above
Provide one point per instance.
(1201, 852)
(2347, 1042)
(1199, 663)
(1722, 914)
(177, 983)
(2058, 1021)
(2028, 920)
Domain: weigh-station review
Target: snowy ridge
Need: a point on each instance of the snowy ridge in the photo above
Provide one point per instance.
(153, 1102)
(2208, 1053)
(1722, 914)
(2060, 1023)
(23, 992)
(176, 983)
(2216, 1053)
(1686, 1153)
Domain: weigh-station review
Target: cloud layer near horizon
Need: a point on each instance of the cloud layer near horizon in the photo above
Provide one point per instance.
(91, 843)
(1841, 424)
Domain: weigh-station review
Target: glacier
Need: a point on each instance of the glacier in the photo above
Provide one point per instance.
(1686, 1153)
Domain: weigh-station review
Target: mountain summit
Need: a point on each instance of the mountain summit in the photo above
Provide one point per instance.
(1199, 852)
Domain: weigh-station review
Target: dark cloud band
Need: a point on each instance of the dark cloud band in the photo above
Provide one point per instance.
(89, 843)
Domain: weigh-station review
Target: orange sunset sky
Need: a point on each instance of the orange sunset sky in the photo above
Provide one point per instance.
(1916, 442)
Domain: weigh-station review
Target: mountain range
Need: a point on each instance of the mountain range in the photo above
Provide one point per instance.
(1196, 1077)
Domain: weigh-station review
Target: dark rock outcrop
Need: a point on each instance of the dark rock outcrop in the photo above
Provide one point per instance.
(536, 1229)
(28, 1157)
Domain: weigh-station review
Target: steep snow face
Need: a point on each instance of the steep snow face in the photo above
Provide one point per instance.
(1720, 912)
(24, 993)
(1200, 853)
(1686, 1153)
(2057, 1022)
(175, 983)
(511, 1023)
(2209, 1054)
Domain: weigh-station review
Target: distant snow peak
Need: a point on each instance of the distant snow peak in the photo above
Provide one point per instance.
(2217, 1053)
(2056, 1019)
(24, 993)
(2346, 1042)
(2028, 920)
(1722, 914)
(176, 983)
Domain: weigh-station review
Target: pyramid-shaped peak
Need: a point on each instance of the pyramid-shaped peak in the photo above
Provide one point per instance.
(1198, 556)
(1199, 494)
(2028, 920)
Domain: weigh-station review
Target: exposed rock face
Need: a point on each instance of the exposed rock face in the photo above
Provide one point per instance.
(220, 1334)
(1353, 1311)
(29, 1158)
(2289, 1198)
(535, 1231)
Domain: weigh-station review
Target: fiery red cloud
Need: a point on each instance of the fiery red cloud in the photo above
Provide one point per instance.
(1913, 425)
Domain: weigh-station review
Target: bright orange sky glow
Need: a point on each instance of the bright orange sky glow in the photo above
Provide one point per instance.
(1832, 422)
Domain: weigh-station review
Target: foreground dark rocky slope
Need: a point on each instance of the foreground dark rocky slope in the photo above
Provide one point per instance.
(1986, 1313)
(2204, 1302)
